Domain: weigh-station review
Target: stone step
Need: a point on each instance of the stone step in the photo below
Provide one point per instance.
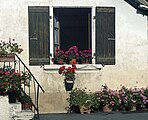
(24, 115)
(16, 107)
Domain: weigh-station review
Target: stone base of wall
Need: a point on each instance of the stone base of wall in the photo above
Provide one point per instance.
(53, 102)
(13, 111)
(4, 108)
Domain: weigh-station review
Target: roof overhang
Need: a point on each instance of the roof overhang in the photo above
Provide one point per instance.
(140, 5)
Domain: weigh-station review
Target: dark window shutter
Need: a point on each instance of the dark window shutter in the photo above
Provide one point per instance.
(105, 35)
(39, 38)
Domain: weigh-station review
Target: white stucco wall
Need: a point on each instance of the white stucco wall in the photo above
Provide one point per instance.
(131, 68)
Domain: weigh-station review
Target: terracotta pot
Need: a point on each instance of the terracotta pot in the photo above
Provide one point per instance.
(85, 109)
(73, 61)
(7, 58)
(106, 108)
(60, 61)
(133, 108)
(85, 62)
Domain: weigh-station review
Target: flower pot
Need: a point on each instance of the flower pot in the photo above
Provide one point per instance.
(85, 109)
(7, 58)
(12, 97)
(73, 61)
(60, 61)
(26, 106)
(68, 85)
(86, 61)
(106, 108)
(133, 108)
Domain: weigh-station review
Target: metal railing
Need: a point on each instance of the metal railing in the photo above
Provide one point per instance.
(34, 88)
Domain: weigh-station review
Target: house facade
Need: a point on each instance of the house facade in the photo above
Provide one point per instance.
(112, 29)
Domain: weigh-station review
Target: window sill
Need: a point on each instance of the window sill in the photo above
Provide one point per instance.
(80, 67)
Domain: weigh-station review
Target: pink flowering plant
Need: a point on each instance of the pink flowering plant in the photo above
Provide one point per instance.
(72, 53)
(10, 47)
(146, 95)
(85, 55)
(140, 97)
(59, 54)
(127, 97)
(109, 97)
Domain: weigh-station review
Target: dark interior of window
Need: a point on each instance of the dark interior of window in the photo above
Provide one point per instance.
(73, 28)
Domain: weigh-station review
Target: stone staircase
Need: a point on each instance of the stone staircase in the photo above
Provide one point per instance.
(16, 112)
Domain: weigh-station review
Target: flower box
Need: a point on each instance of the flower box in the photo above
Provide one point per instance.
(7, 58)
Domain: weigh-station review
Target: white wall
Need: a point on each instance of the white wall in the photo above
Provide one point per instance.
(131, 67)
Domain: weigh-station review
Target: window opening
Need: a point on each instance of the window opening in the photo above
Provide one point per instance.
(72, 27)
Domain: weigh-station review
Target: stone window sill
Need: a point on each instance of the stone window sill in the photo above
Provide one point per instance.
(80, 67)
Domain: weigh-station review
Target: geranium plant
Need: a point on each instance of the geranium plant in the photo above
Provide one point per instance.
(109, 98)
(104, 96)
(12, 81)
(59, 55)
(69, 72)
(10, 47)
(139, 97)
(82, 99)
(85, 56)
(72, 53)
(126, 95)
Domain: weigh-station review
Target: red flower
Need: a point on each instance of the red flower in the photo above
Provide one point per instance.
(62, 68)
(69, 73)
(69, 69)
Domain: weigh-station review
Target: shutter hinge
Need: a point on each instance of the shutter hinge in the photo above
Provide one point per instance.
(50, 17)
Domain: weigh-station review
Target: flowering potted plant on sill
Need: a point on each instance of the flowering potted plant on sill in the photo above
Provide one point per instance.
(59, 57)
(8, 50)
(85, 56)
(72, 55)
(69, 74)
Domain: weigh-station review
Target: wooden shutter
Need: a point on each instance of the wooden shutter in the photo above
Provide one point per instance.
(39, 35)
(105, 35)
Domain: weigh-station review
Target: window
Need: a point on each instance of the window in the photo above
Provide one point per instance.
(71, 26)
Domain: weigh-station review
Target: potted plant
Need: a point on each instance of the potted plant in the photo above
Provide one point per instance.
(69, 74)
(72, 55)
(85, 56)
(11, 82)
(140, 96)
(85, 101)
(105, 98)
(145, 93)
(8, 50)
(59, 57)
(26, 102)
(127, 101)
